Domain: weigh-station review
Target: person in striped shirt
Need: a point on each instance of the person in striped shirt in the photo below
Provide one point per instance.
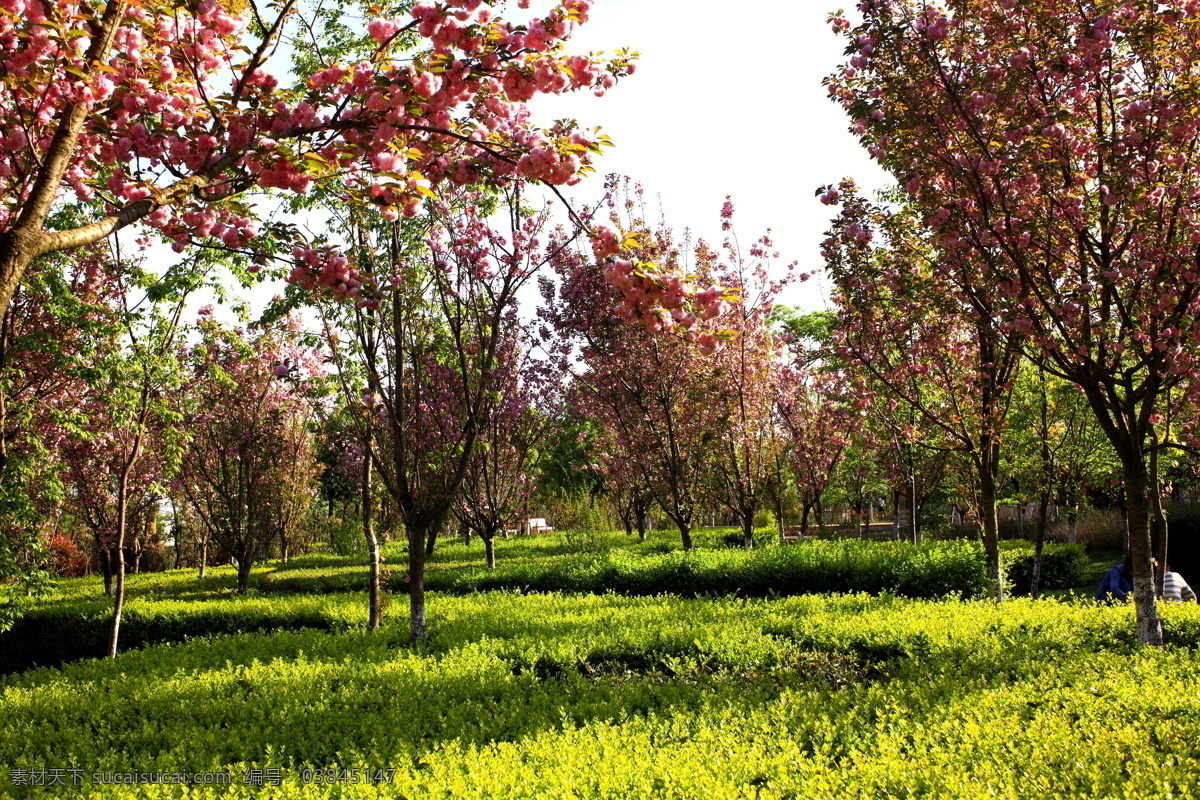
(1175, 588)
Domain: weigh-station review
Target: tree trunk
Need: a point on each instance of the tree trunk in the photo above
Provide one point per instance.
(374, 611)
(782, 523)
(748, 529)
(1039, 539)
(245, 562)
(989, 518)
(177, 533)
(114, 629)
(912, 509)
(1072, 524)
(106, 570)
(203, 554)
(685, 533)
(416, 581)
(431, 541)
(1158, 523)
(1137, 503)
(489, 548)
(896, 516)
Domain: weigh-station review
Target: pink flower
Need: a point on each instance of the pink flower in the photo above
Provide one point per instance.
(382, 29)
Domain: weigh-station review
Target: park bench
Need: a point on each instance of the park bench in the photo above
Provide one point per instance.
(534, 526)
(791, 533)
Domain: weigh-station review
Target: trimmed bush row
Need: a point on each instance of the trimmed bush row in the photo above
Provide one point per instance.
(929, 570)
(1064, 566)
(63, 632)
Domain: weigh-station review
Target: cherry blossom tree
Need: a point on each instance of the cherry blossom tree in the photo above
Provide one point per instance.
(1055, 149)
(167, 116)
(127, 446)
(818, 415)
(744, 374)
(247, 411)
(646, 382)
(502, 471)
(420, 365)
(905, 321)
(625, 482)
(53, 333)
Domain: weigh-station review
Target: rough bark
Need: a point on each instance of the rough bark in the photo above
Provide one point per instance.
(1039, 539)
(991, 532)
(641, 513)
(489, 547)
(416, 581)
(989, 468)
(1137, 500)
(747, 520)
(431, 541)
(1158, 524)
(374, 614)
(245, 562)
(106, 570)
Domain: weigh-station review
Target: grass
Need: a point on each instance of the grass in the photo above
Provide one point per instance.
(588, 696)
(606, 696)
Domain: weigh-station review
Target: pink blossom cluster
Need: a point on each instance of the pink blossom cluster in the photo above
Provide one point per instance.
(155, 122)
(328, 268)
(547, 163)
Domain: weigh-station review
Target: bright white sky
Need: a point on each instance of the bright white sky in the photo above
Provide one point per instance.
(724, 103)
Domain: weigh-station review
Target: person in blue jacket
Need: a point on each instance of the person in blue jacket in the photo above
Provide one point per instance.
(1118, 583)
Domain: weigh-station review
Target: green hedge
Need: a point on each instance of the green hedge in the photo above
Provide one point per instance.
(67, 631)
(932, 569)
(1064, 566)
